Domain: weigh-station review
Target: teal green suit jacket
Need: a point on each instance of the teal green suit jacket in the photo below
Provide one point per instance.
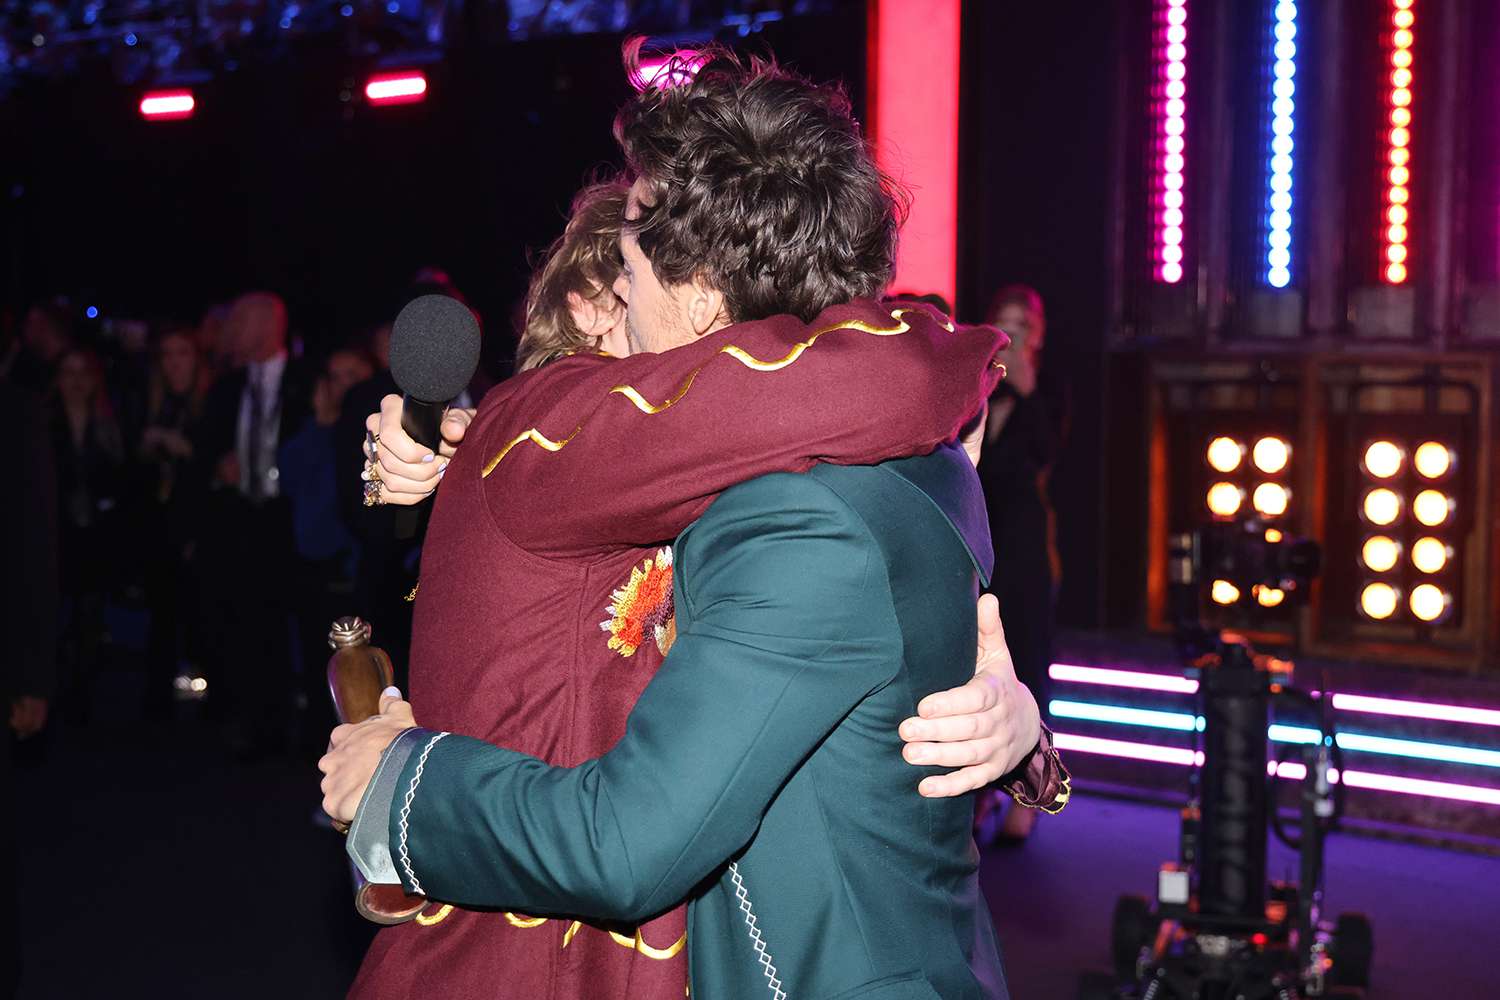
(761, 773)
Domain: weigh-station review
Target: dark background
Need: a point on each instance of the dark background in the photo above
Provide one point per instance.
(277, 183)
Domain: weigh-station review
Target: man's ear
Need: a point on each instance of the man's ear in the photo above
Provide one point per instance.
(706, 310)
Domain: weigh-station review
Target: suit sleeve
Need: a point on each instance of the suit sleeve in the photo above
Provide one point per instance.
(792, 627)
(598, 453)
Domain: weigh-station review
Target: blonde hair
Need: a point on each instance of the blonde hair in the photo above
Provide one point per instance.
(585, 260)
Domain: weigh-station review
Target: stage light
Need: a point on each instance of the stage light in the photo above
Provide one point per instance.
(1378, 601)
(405, 87)
(1408, 709)
(1136, 679)
(1383, 459)
(1432, 507)
(1429, 603)
(1224, 592)
(1170, 110)
(1380, 553)
(1399, 97)
(1433, 460)
(1283, 125)
(1183, 756)
(1271, 455)
(1269, 597)
(167, 105)
(1430, 555)
(92, 312)
(1273, 535)
(1270, 499)
(1382, 506)
(1225, 454)
(1368, 743)
(1184, 722)
(1224, 499)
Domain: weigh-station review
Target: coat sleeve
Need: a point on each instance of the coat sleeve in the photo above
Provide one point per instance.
(597, 453)
(792, 625)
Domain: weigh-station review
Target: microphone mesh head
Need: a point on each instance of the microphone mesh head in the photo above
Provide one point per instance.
(434, 348)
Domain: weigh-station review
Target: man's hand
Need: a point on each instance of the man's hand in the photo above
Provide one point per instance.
(354, 752)
(28, 715)
(984, 728)
(410, 471)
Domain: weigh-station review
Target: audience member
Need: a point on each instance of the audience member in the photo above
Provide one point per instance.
(90, 461)
(1023, 435)
(46, 335)
(169, 506)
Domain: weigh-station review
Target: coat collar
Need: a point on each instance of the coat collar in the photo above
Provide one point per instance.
(946, 477)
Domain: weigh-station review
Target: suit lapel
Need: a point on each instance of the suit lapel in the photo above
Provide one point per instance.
(947, 478)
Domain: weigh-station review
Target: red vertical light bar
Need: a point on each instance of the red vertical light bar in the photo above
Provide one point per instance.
(1398, 144)
(914, 124)
(1169, 149)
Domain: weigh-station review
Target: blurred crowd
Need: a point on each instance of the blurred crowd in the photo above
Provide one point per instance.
(204, 482)
(206, 485)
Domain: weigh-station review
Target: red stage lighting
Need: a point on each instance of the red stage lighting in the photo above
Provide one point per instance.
(405, 87)
(167, 105)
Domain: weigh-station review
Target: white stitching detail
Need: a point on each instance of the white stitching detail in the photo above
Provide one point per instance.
(411, 791)
(768, 966)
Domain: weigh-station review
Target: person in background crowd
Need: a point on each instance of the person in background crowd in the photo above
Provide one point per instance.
(1023, 435)
(170, 504)
(28, 617)
(90, 456)
(46, 335)
(246, 545)
(327, 552)
(210, 339)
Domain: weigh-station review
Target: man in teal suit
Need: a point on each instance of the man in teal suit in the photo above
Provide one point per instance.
(759, 775)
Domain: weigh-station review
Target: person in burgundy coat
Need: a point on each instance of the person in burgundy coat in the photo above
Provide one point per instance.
(559, 513)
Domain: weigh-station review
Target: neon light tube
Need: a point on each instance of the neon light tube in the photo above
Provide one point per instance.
(1183, 722)
(1279, 165)
(1140, 680)
(1416, 709)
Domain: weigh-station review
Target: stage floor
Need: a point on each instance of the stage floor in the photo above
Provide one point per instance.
(162, 870)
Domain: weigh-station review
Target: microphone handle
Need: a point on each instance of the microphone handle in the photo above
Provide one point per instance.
(422, 421)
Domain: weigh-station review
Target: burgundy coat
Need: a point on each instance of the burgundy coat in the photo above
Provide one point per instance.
(544, 606)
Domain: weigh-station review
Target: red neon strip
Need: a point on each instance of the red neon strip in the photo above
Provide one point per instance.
(915, 128)
(396, 88)
(1396, 169)
(166, 105)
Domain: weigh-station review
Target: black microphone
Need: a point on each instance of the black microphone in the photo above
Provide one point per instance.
(434, 351)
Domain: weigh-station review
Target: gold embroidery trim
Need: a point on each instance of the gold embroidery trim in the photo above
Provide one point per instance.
(524, 922)
(741, 355)
(427, 920)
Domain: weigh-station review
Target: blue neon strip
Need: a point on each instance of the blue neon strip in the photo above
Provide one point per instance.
(1279, 164)
(1362, 742)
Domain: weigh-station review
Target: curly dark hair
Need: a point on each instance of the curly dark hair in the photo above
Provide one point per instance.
(758, 182)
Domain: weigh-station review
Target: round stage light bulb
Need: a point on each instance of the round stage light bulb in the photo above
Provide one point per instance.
(1401, 58)
(1396, 234)
(1271, 455)
(1403, 18)
(1382, 506)
(1428, 602)
(1402, 38)
(1380, 553)
(1224, 592)
(1397, 214)
(1395, 274)
(1429, 555)
(1273, 535)
(1400, 117)
(1378, 600)
(1383, 459)
(1224, 499)
(1395, 253)
(1433, 460)
(1269, 597)
(1271, 499)
(1432, 507)
(1224, 454)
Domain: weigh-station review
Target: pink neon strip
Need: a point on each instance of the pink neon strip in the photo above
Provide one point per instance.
(1123, 678)
(1396, 783)
(1416, 709)
(1182, 756)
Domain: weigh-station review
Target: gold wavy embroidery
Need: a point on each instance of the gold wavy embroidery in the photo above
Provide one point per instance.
(427, 920)
(572, 932)
(537, 438)
(640, 945)
(741, 355)
(524, 922)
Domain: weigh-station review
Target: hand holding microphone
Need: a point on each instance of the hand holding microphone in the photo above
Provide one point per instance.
(434, 351)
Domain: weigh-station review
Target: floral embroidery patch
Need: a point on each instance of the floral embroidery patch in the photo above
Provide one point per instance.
(643, 607)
